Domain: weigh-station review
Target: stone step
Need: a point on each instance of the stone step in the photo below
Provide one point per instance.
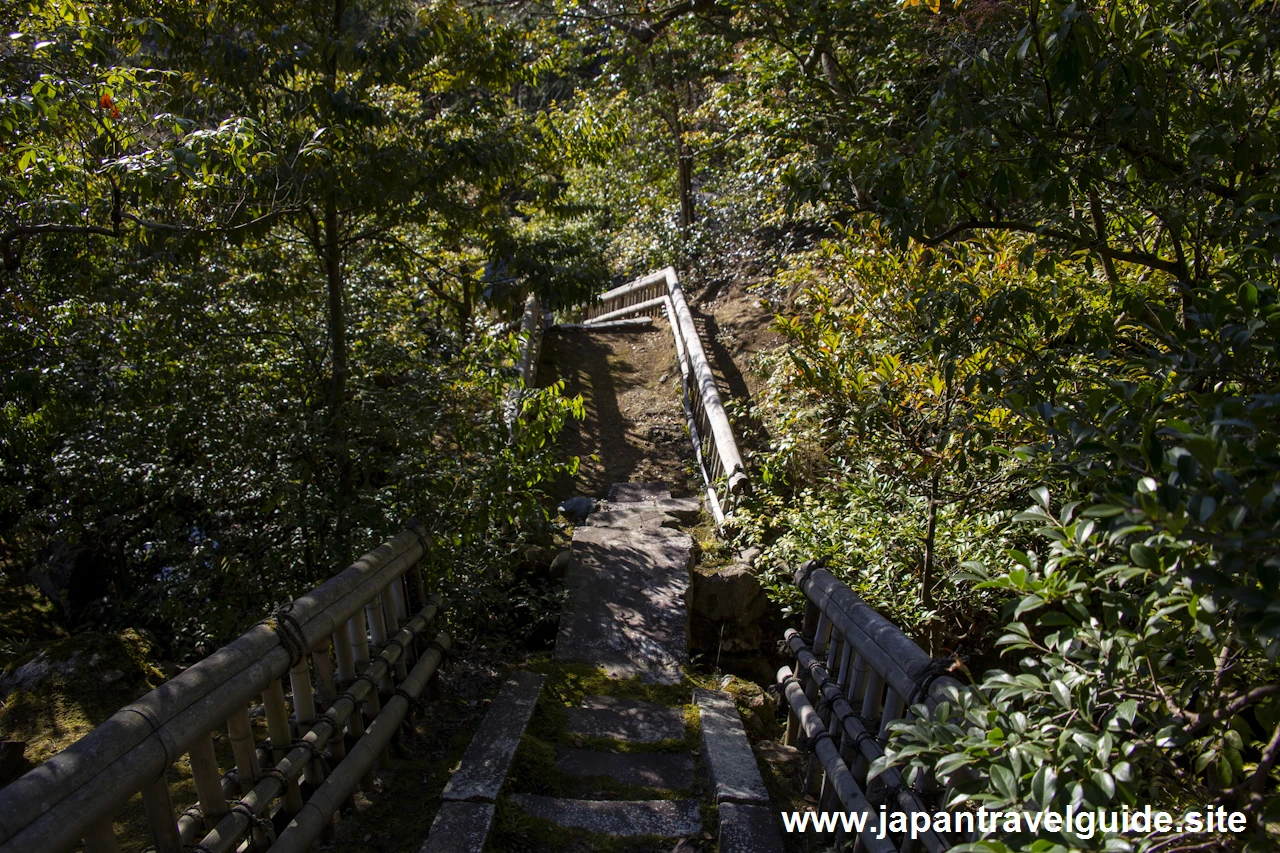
(459, 828)
(627, 818)
(638, 492)
(652, 770)
(634, 517)
(625, 719)
(686, 510)
(488, 757)
(626, 608)
(749, 829)
(734, 771)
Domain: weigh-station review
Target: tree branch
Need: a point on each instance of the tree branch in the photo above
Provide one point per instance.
(1141, 258)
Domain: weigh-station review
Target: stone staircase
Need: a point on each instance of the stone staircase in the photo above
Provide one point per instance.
(636, 774)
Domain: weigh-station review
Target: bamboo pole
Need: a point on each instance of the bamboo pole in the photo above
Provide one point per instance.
(846, 789)
(307, 825)
(647, 280)
(242, 748)
(101, 838)
(159, 809)
(721, 431)
(228, 833)
(897, 661)
(647, 305)
(281, 738)
(208, 780)
(53, 806)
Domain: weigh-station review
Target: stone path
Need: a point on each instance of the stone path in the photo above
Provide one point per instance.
(628, 582)
(627, 613)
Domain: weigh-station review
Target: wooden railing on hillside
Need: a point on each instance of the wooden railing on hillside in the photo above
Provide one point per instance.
(856, 674)
(714, 447)
(371, 622)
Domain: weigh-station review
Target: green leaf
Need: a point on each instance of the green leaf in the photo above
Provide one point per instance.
(1005, 783)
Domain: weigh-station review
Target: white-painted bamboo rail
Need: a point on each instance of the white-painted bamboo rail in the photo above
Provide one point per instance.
(357, 623)
(715, 449)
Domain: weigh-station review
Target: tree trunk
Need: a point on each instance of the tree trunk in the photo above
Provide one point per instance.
(337, 321)
(930, 538)
(684, 177)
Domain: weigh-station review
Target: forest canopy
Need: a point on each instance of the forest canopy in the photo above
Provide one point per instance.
(261, 266)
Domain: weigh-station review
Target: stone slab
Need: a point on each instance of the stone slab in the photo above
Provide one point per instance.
(488, 757)
(652, 770)
(632, 517)
(625, 719)
(734, 771)
(627, 604)
(638, 492)
(459, 828)
(749, 829)
(686, 510)
(628, 818)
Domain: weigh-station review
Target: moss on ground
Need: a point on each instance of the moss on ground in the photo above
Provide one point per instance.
(515, 831)
(567, 685)
(86, 679)
(534, 771)
(27, 619)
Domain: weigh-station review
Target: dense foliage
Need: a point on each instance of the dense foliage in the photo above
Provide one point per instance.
(256, 266)
(1024, 254)
(1046, 277)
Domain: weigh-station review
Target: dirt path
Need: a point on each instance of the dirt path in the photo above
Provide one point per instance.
(635, 426)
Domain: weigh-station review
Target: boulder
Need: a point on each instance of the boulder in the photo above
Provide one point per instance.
(560, 565)
(728, 606)
(577, 509)
(730, 594)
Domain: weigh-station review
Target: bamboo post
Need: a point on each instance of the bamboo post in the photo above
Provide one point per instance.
(281, 738)
(358, 628)
(101, 838)
(208, 780)
(159, 809)
(391, 622)
(304, 713)
(323, 666)
(377, 635)
(246, 755)
(400, 595)
(328, 693)
(342, 652)
(419, 584)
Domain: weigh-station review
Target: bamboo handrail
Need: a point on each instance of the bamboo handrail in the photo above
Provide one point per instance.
(73, 795)
(856, 675)
(715, 449)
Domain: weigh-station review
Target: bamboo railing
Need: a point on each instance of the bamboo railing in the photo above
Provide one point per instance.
(714, 447)
(358, 622)
(856, 674)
